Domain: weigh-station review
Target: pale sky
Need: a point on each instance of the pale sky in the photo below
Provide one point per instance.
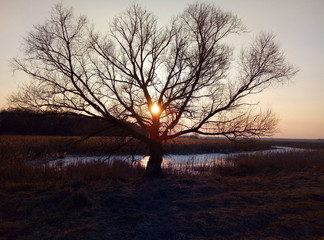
(298, 25)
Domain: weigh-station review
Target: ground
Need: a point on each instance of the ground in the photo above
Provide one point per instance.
(260, 196)
(276, 206)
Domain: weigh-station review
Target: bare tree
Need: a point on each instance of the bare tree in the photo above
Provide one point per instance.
(168, 81)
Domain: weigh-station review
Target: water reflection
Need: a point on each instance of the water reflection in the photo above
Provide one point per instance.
(173, 160)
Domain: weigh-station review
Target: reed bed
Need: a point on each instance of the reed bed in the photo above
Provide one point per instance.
(279, 162)
(18, 169)
(31, 147)
(254, 164)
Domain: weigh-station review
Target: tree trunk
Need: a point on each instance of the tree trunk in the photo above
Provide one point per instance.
(153, 168)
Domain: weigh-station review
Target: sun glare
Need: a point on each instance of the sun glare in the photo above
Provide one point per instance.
(155, 109)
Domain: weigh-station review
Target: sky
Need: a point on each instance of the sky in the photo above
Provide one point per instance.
(298, 25)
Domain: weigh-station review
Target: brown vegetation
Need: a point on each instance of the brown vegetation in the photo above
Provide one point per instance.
(271, 196)
(31, 147)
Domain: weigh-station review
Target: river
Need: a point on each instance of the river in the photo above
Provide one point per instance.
(171, 159)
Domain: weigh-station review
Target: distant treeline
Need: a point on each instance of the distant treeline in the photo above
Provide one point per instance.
(51, 124)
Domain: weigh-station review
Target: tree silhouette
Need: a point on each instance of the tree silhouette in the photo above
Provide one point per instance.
(169, 81)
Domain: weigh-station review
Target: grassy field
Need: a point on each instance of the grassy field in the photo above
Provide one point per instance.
(31, 147)
(272, 196)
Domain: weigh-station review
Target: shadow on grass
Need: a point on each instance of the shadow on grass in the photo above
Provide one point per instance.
(274, 196)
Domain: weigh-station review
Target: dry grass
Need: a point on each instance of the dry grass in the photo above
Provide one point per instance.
(253, 164)
(31, 147)
(272, 196)
(21, 171)
(279, 162)
(95, 201)
(17, 151)
(270, 163)
(35, 146)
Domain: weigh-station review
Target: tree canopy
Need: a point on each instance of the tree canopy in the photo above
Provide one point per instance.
(169, 81)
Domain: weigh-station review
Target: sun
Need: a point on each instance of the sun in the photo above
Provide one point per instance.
(155, 109)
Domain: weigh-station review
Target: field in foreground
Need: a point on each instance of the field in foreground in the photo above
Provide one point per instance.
(273, 196)
(250, 207)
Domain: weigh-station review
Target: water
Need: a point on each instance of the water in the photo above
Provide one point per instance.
(172, 159)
